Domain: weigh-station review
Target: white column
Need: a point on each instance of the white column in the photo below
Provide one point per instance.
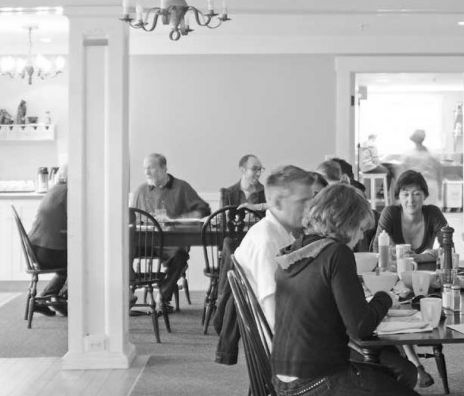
(98, 190)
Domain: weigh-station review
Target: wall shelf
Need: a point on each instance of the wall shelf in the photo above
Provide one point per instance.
(27, 132)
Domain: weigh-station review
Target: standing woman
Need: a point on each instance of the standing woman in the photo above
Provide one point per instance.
(411, 221)
(320, 303)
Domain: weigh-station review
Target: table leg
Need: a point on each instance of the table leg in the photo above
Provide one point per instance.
(441, 365)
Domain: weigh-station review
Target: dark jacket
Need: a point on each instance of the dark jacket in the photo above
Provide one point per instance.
(320, 303)
(234, 195)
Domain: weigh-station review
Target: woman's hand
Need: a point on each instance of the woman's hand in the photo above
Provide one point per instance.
(395, 300)
(426, 256)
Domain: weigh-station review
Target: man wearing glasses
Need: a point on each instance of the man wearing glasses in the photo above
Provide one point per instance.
(248, 191)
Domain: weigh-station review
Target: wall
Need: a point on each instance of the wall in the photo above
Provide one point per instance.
(20, 160)
(204, 112)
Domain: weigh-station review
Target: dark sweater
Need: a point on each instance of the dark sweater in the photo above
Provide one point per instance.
(51, 222)
(177, 196)
(235, 196)
(390, 221)
(319, 300)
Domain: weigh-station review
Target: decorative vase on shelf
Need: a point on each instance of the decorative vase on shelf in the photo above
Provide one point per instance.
(21, 114)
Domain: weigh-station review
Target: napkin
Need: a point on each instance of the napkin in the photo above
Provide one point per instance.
(403, 324)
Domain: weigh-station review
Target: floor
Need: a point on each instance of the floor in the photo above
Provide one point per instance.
(43, 376)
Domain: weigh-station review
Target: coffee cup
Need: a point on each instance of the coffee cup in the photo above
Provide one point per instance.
(431, 310)
(405, 264)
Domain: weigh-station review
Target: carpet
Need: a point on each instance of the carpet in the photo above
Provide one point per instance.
(183, 364)
(48, 336)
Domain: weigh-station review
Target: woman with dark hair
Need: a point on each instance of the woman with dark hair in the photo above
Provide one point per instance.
(320, 303)
(411, 221)
(417, 224)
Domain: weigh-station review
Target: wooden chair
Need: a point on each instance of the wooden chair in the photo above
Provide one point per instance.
(146, 251)
(225, 222)
(33, 268)
(255, 332)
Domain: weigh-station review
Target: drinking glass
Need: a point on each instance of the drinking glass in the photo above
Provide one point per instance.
(431, 310)
(420, 283)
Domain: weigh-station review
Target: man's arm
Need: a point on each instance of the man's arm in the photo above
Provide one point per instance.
(194, 206)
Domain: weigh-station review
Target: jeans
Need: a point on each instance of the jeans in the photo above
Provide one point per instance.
(357, 379)
(52, 258)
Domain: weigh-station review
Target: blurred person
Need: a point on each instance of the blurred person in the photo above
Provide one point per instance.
(369, 161)
(310, 354)
(180, 200)
(48, 236)
(248, 191)
(421, 160)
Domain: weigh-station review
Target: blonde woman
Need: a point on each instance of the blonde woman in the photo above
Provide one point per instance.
(320, 303)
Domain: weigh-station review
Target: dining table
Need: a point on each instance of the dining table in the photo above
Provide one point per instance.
(370, 347)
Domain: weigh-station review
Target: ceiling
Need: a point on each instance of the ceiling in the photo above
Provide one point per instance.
(281, 19)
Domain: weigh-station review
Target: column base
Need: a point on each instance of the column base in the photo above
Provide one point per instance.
(99, 360)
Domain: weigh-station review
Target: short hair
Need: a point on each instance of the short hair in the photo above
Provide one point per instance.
(284, 176)
(417, 136)
(244, 160)
(331, 170)
(160, 158)
(411, 178)
(345, 166)
(319, 179)
(337, 212)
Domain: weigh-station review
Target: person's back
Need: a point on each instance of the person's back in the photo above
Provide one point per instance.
(50, 224)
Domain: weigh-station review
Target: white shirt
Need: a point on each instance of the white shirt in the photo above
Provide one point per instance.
(257, 253)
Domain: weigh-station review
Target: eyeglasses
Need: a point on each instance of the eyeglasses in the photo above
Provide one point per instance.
(257, 169)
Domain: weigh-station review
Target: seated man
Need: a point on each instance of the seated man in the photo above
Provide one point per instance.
(49, 240)
(179, 199)
(248, 192)
(288, 191)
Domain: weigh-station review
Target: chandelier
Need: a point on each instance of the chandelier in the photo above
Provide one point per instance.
(174, 13)
(30, 66)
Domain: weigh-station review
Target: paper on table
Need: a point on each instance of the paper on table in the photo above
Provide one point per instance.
(407, 324)
(457, 327)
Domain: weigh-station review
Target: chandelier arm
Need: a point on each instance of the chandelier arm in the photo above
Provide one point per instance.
(156, 11)
(197, 13)
(219, 23)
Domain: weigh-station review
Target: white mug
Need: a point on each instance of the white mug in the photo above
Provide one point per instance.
(431, 310)
(405, 264)
(402, 250)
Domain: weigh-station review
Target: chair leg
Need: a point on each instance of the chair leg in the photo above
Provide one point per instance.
(441, 366)
(26, 313)
(154, 316)
(31, 307)
(185, 286)
(205, 304)
(176, 298)
(211, 305)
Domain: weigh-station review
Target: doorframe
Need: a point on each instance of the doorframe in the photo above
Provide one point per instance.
(346, 68)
